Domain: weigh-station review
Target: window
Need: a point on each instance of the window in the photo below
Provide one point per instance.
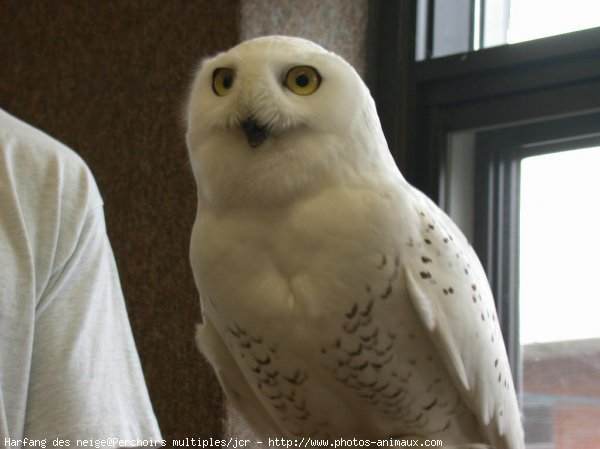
(459, 26)
(559, 217)
(535, 19)
(476, 127)
(558, 300)
(541, 186)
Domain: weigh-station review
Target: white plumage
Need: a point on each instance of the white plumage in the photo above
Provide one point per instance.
(338, 301)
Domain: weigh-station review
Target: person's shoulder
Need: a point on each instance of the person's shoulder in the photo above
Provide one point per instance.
(38, 162)
(35, 149)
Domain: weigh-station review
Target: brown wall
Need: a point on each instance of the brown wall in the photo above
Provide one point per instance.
(108, 78)
(561, 379)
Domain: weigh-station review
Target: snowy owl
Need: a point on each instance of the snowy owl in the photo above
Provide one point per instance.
(338, 301)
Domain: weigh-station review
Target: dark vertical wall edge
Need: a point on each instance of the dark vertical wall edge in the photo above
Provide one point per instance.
(390, 74)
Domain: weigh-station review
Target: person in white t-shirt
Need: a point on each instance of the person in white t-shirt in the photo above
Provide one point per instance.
(69, 369)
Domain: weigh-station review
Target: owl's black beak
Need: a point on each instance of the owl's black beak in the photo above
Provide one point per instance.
(255, 132)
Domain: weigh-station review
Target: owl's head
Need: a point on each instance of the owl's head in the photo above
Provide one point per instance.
(277, 118)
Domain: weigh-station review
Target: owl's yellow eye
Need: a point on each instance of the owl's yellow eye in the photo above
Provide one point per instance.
(303, 80)
(222, 81)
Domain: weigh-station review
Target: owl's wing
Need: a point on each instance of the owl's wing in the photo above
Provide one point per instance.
(449, 290)
(236, 387)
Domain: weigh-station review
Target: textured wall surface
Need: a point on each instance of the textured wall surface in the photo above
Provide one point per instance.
(108, 79)
(337, 25)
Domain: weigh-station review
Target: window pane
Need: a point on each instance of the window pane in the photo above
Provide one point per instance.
(468, 25)
(560, 299)
(534, 19)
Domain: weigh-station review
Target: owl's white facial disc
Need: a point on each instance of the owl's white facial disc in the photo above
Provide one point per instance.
(274, 118)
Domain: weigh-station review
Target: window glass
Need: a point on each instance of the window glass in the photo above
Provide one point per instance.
(559, 298)
(460, 26)
(534, 19)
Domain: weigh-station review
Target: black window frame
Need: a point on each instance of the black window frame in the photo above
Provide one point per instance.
(553, 80)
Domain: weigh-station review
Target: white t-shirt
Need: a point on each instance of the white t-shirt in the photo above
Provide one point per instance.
(68, 364)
